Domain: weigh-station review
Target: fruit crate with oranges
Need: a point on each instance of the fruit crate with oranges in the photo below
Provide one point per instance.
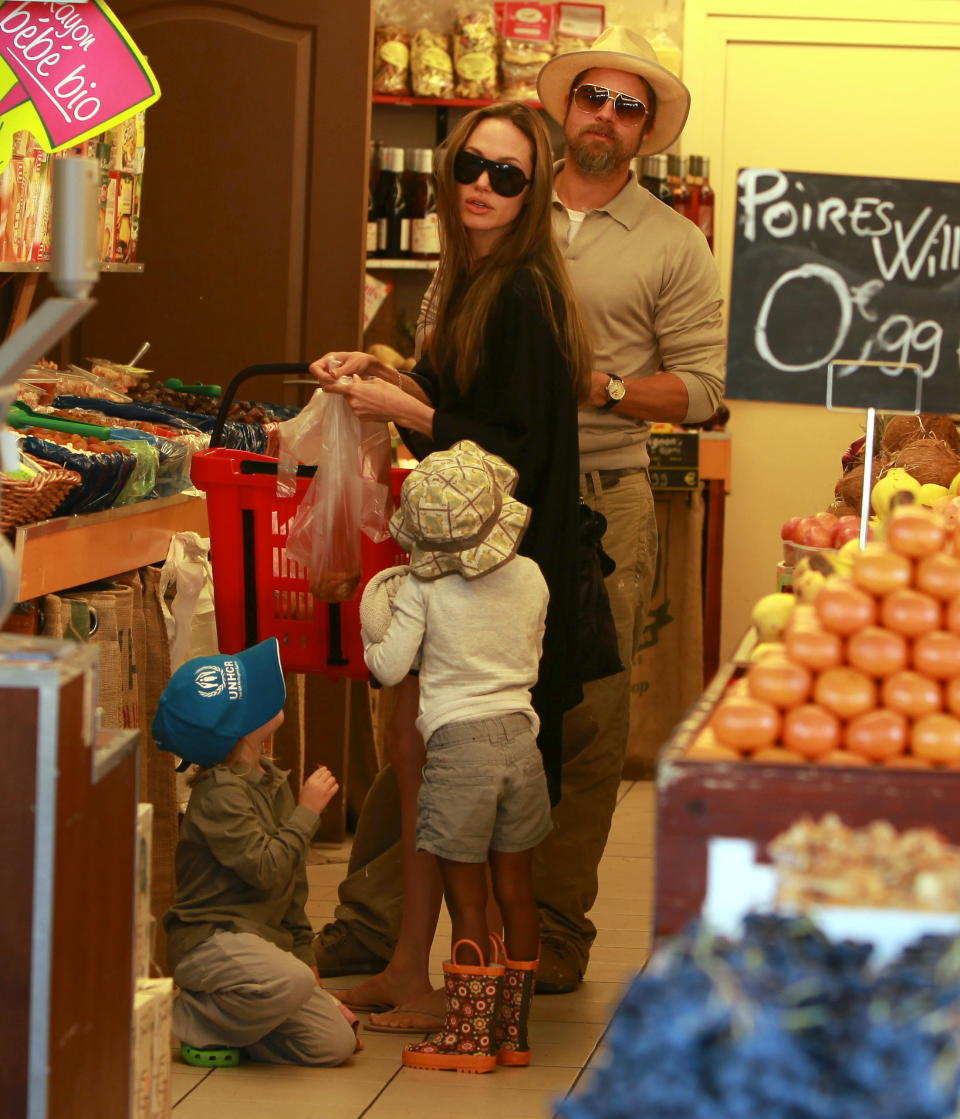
(852, 707)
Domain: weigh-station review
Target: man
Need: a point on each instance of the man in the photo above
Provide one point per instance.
(650, 295)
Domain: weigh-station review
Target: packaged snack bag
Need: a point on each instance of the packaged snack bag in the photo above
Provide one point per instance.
(431, 64)
(577, 26)
(527, 43)
(475, 52)
(391, 60)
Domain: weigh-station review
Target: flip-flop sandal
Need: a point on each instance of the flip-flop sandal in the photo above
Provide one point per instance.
(362, 1007)
(210, 1056)
(419, 1030)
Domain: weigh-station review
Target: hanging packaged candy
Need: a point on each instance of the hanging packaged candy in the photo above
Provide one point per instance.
(527, 43)
(431, 65)
(391, 60)
(475, 53)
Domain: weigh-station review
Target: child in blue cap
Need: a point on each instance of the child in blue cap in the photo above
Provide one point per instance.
(238, 939)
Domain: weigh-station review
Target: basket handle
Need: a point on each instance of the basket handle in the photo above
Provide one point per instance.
(277, 369)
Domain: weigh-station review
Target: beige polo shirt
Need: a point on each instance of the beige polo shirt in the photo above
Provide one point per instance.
(648, 289)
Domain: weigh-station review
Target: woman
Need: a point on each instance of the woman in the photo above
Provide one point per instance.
(506, 366)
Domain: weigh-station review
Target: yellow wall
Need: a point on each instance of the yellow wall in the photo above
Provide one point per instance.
(844, 87)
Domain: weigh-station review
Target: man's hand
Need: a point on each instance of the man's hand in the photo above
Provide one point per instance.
(598, 390)
(318, 789)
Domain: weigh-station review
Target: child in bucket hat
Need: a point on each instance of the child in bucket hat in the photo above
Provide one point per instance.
(238, 939)
(473, 611)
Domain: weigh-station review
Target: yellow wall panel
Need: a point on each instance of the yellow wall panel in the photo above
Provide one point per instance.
(817, 87)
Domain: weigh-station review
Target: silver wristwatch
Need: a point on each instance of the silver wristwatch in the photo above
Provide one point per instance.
(616, 391)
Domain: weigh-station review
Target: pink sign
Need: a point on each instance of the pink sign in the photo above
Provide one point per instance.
(75, 63)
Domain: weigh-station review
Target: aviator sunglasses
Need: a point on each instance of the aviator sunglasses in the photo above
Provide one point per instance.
(591, 98)
(506, 179)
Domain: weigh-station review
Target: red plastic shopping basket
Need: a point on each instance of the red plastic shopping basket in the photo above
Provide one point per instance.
(258, 591)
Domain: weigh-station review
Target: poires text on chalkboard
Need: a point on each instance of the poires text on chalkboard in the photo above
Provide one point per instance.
(845, 270)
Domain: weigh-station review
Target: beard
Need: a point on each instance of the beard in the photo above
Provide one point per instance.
(595, 158)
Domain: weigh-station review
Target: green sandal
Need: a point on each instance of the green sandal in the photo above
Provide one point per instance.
(210, 1056)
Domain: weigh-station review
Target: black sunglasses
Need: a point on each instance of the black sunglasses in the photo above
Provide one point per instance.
(591, 98)
(506, 179)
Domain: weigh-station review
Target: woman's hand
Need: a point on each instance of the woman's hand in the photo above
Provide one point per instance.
(372, 399)
(350, 363)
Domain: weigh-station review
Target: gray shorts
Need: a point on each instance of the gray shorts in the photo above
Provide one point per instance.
(483, 789)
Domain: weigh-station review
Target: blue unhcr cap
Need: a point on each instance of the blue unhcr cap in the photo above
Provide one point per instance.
(211, 702)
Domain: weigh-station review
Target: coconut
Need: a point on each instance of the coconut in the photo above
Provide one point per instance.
(929, 460)
(840, 508)
(898, 431)
(850, 486)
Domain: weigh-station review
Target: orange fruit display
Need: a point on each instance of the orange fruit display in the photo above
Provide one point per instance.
(876, 735)
(745, 723)
(845, 691)
(877, 651)
(910, 612)
(844, 608)
(936, 738)
(912, 694)
(810, 731)
(778, 680)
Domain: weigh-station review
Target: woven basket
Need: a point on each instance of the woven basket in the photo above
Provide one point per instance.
(23, 502)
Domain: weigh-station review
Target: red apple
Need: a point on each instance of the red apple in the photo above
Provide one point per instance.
(828, 520)
(844, 532)
(815, 535)
(789, 527)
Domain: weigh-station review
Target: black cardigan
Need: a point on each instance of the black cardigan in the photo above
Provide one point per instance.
(522, 407)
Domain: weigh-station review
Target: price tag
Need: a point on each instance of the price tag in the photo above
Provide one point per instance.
(674, 460)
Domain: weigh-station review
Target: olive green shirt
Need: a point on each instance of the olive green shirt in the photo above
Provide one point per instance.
(241, 862)
(648, 289)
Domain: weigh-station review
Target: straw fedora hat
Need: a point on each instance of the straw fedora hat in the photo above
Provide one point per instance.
(620, 48)
(457, 514)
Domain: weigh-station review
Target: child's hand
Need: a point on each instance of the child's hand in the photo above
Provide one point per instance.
(318, 789)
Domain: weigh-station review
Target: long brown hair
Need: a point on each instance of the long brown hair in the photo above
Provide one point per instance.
(460, 327)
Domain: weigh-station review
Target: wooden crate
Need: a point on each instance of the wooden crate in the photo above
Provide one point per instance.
(697, 801)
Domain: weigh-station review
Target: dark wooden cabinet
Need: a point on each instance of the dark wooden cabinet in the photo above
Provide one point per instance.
(255, 189)
(67, 881)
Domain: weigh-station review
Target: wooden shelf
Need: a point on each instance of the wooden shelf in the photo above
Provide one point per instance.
(440, 102)
(44, 266)
(71, 551)
(403, 264)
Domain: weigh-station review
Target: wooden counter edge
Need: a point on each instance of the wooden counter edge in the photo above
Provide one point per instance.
(72, 551)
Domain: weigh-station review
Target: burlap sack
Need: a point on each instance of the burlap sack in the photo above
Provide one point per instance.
(668, 675)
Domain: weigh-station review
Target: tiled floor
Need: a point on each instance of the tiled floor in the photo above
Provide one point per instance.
(566, 1032)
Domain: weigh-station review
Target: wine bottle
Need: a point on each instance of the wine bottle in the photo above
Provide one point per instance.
(701, 195)
(393, 226)
(676, 180)
(422, 206)
(655, 178)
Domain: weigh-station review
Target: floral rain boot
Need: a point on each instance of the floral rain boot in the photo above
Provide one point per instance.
(513, 1013)
(465, 1044)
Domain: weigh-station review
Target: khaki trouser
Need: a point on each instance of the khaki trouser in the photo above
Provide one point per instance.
(595, 742)
(237, 989)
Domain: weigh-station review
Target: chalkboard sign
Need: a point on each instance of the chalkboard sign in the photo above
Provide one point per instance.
(845, 270)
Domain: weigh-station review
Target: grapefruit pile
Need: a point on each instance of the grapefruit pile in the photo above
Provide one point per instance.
(868, 670)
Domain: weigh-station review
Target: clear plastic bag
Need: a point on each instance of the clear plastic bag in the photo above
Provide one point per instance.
(349, 494)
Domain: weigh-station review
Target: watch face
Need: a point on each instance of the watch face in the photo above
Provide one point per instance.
(616, 389)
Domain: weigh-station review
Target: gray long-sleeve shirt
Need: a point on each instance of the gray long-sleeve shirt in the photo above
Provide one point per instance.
(240, 862)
